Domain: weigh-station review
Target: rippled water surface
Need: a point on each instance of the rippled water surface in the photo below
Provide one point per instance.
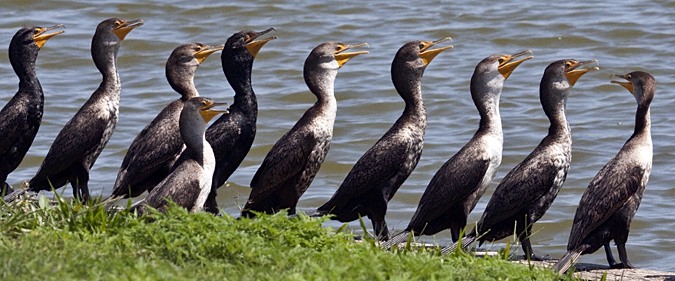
(623, 36)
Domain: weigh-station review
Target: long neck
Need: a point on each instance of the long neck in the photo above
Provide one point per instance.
(642, 121)
(104, 48)
(182, 81)
(414, 106)
(488, 108)
(238, 73)
(321, 82)
(556, 115)
(192, 132)
(23, 63)
(553, 98)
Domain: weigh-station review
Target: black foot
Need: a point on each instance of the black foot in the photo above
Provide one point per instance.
(621, 266)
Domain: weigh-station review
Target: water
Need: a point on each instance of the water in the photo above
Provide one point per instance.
(623, 36)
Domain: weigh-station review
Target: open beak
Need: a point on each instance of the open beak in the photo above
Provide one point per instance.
(626, 84)
(509, 64)
(572, 73)
(208, 112)
(125, 27)
(428, 54)
(202, 54)
(42, 36)
(254, 47)
(342, 58)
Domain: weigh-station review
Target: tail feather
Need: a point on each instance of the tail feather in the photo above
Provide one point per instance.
(566, 262)
(395, 240)
(465, 241)
(9, 198)
(313, 214)
(136, 206)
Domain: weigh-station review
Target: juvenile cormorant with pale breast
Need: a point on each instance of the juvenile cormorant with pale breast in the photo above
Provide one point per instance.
(231, 136)
(294, 160)
(189, 182)
(455, 189)
(378, 174)
(613, 196)
(528, 190)
(20, 118)
(82, 139)
(155, 149)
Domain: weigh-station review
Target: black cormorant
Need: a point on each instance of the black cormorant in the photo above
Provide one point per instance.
(379, 173)
(231, 136)
(528, 190)
(21, 117)
(613, 196)
(158, 145)
(189, 182)
(455, 189)
(82, 139)
(292, 163)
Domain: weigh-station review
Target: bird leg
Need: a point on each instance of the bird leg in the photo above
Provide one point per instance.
(623, 256)
(610, 257)
(380, 227)
(527, 246)
(455, 234)
(211, 204)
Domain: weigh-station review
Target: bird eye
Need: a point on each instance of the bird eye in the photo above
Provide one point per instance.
(501, 60)
(628, 77)
(37, 30)
(568, 65)
(422, 45)
(339, 48)
(203, 103)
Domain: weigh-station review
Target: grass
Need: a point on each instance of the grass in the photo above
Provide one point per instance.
(67, 240)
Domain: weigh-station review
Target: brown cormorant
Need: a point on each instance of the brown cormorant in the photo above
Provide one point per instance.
(292, 163)
(231, 136)
(158, 145)
(379, 173)
(21, 117)
(455, 189)
(82, 139)
(528, 190)
(189, 182)
(613, 196)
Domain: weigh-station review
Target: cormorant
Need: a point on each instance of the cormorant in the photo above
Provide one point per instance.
(21, 117)
(455, 189)
(82, 139)
(292, 163)
(379, 173)
(158, 145)
(189, 182)
(613, 196)
(528, 190)
(231, 136)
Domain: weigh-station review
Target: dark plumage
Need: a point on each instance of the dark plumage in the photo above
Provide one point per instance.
(158, 145)
(21, 117)
(231, 136)
(292, 163)
(613, 196)
(458, 185)
(379, 173)
(528, 190)
(189, 182)
(82, 139)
